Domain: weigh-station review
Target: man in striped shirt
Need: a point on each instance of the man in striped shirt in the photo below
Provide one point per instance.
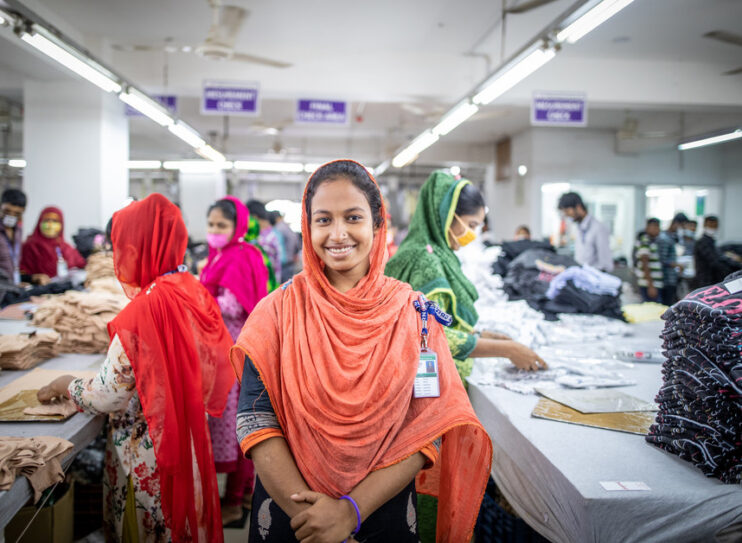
(648, 265)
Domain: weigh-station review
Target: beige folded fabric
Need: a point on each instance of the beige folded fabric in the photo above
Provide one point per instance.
(24, 351)
(99, 266)
(62, 407)
(81, 318)
(37, 458)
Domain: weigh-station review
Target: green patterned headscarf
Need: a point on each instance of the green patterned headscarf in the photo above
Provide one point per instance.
(253, 231)
(425, 259)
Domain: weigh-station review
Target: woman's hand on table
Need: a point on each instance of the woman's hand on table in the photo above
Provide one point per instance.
(486, 334)
(55, 389)
(327, 520)
(524, 358)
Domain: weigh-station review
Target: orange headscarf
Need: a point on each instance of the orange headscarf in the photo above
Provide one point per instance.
(339, 370)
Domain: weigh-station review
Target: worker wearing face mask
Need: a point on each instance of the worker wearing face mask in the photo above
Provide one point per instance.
(12, 206)
(45, 253)
(711, 266)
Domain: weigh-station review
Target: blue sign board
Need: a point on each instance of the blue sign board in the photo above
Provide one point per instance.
(230, 98)
(559, 109)
(322, 111)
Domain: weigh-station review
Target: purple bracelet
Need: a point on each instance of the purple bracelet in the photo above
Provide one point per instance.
(358, 513)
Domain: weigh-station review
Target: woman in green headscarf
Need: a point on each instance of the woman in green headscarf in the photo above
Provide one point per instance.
(449, 212)
(253, 231)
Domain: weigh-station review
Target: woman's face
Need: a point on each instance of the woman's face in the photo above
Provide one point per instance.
(51, 225)
(217, 223)
(460, 224)
(342, 227)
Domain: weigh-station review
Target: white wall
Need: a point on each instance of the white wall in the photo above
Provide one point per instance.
(197, 192)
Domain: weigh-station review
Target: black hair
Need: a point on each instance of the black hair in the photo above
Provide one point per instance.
(228, 209)
(257, 209)
(680, 218)
(14, 197)
(710, 218)
(470, 201)
(653, 220)
(694, 223)
(524, 227)
(274, 215)
(109, 229)
(356, 174)
(570, 199)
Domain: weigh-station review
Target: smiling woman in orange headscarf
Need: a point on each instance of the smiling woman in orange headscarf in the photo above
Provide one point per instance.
(339, 437)
(166, 368)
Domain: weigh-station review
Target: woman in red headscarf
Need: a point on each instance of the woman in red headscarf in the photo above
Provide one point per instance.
(166, 368)
(236, 276)
(341, 408)
(45, 254)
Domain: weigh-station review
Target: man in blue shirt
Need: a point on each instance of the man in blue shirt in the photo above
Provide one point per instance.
(12, 206)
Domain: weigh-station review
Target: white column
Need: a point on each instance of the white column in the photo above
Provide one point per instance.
(76, 144)
(197, 192)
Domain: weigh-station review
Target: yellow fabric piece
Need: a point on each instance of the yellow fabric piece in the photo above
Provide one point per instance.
(131, 528)
(646, 312)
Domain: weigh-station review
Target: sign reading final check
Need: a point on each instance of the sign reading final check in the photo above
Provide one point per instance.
(230, 98)
(559, 109)
(322, 111)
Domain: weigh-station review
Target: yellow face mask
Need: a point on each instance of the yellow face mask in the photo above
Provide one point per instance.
(467, 237)
(50, 228)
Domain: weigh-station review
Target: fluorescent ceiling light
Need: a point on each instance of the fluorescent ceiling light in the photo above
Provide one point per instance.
(73, 62)
(288, 167)
(381, 168)
(502, 82)
(555, 187)
(144, 164)
(17, 163)
(735, 134)
(591, 20)
(146, 106)
(455, 117)
(187, 134)
(311, 168)
(196, 166)
(659, 193)
(417, 146)
(208, 152)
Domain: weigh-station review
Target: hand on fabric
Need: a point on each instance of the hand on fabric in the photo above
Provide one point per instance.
(40, 279)
(55, 389)
(486, 334)
(327, 520)
(524, 358)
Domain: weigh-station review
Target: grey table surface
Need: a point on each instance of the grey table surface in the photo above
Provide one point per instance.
(551, 471)
(80, 429)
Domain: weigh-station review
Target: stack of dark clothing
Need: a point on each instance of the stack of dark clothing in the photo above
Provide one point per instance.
(700, 402)
(513, 249)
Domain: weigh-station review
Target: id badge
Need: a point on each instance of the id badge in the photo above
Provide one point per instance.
(427, 384)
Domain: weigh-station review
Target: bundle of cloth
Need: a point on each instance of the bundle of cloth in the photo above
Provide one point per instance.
(700, 401)
(100, 275)
(586, 290)
(27, 350)
(513, 249)
(37, 458)
(88, 240)
(81, 318)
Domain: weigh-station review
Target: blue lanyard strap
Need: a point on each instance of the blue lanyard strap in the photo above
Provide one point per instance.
(425, 306)
(180, 269)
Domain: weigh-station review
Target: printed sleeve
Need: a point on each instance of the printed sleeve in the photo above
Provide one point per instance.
(460, 343)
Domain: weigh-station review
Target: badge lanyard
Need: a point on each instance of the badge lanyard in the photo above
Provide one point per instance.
(427, 383)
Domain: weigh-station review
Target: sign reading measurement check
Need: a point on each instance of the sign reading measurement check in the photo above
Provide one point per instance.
(559, 109)
(230, 98)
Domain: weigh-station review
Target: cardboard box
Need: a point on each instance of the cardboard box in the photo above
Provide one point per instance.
(54, 524)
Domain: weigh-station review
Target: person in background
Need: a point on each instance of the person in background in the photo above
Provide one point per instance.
(327, 408)
(711, 266)
(268, 238)
(291, 245)
(666, 249)
(391, 247)
(648, 265)
(166, 368)
(252, 237)
(593, 242)
(448, 213)
(45, 254)
(676, 230)
(237, 278)
(522, 232)
(689, 237)
(12, 207)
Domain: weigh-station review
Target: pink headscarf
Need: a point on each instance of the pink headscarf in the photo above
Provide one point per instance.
(239, 266)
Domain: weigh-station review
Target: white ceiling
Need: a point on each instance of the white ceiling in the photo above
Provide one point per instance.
(402, 64)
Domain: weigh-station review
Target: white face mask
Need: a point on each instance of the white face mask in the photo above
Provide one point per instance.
(10, 221)
(710, 232)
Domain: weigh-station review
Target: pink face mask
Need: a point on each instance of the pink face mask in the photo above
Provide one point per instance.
(217, 241)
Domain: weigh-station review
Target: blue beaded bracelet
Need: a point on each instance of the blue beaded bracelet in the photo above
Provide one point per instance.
(358, 513)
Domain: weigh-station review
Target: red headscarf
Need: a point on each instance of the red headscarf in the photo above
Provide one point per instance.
(177, 343)
(339, 370)
(39, 253)
(239, 266)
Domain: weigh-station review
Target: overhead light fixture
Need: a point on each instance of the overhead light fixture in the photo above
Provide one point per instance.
(209, 153)
(711, 140)
(383, 167)
(144, 164)
(662, 192)
(17, 163)
(522, 170)
(196, 166)
(187, 134)
(591, 20)
(506, 79)
(311, 168)
(146, 106)
(417, 146)
(70, 58)
(455, 117)
(286, 167)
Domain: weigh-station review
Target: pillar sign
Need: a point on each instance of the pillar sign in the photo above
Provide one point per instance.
(559, 109)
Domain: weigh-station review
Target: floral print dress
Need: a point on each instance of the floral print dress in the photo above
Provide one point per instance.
(129, 449)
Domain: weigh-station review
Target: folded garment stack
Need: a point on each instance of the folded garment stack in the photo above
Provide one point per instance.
(37, 458)
(81, 318)
(700, 417)
(25, 351)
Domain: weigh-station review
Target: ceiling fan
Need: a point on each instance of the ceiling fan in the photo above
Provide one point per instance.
(226, 23)
(729, 38)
